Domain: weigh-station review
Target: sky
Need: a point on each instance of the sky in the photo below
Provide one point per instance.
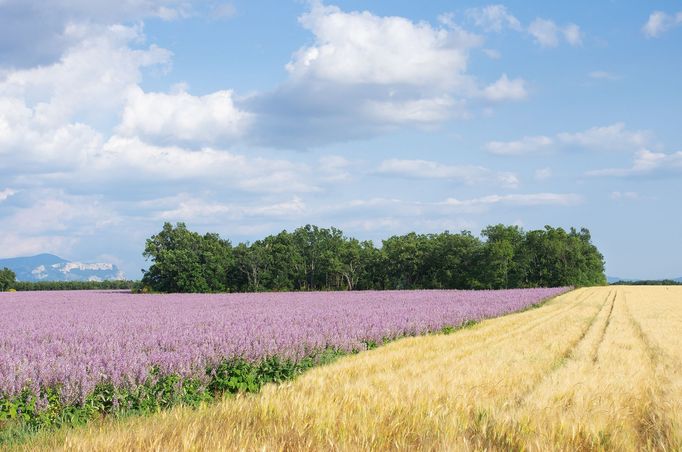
(377, 117)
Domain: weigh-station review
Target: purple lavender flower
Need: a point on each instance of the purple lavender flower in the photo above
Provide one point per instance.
(77, 339)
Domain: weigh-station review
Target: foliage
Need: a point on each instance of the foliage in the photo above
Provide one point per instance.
(66, 357)
(30, 411)
(314, 258)
(7, 279)
(648, 282)
(185, 261)
(74, 285)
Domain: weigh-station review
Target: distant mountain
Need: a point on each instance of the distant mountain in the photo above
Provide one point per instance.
(48, 267)
(612, 279)
(679, 280)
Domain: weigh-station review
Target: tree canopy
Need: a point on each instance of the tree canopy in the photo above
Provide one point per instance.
(7, 279)
(314, 258)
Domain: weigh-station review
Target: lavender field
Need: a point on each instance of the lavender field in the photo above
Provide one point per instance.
(75, 340)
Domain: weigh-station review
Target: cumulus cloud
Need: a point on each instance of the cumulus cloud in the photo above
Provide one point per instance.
(425, 111)
(543, 174)
(494, 18)
(100, 69)
(186, 207)
(525, 145)
(545, 32)
(548, 34)
(32, 34)
(492, 54)
(646, 163)
(573, 35)
(49, 220)
(505, 89)
(181, 117)
(223, 11)
(48, 114)
(140, 160)
(365, 74)
(659, 22)
(362, 48)
(335, 168)
(603, 75)
(6, 194)
(466, 174)
(624, 195)
(531, 199)
(615, 137)
(396, 207)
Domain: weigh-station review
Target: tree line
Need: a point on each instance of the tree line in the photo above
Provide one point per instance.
(314, 258)
(75, 285)
(648, 282)
(8, 282)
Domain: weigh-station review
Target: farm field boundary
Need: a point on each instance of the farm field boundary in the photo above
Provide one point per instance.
(593, 369)
(70, 357)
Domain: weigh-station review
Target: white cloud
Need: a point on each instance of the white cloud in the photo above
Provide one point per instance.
(646, 163)
(43, 110)
(525, 145)
(32, 34)
(603, 75)
(224, 11)
(492, 54)
(32, 146)
(135, 158)
(548, 34)
(361, 48)
(6, 194)
(505, 89)
(335, 168)
(188, 208)
(659, 22)
(573, 35)
(608, 138)
(532, 199)
(615, 137)
(52, 221)
(543, 174)
(427, 110)
(467, 174)
(494, 18)
(434, 210)
(91, 80)
(181, 117)
(545, 32)
(624, 195)
(364, 75)
(13, 244)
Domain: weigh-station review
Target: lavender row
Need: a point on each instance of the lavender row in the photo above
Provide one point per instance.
(75, 340)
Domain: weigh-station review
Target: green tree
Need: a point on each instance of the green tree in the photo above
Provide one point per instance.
(503, 266)
(7, 279)
(185, 261)
(313, 258)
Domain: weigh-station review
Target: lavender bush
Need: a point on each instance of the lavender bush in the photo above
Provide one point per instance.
(74, 341)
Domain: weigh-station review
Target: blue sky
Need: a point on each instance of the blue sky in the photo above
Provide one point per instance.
(381, 117)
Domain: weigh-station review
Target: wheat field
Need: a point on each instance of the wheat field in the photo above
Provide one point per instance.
(594, 369)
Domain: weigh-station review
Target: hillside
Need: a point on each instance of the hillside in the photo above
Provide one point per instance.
(48, 267)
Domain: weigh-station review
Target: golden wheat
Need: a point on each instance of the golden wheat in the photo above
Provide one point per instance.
(595, 369)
